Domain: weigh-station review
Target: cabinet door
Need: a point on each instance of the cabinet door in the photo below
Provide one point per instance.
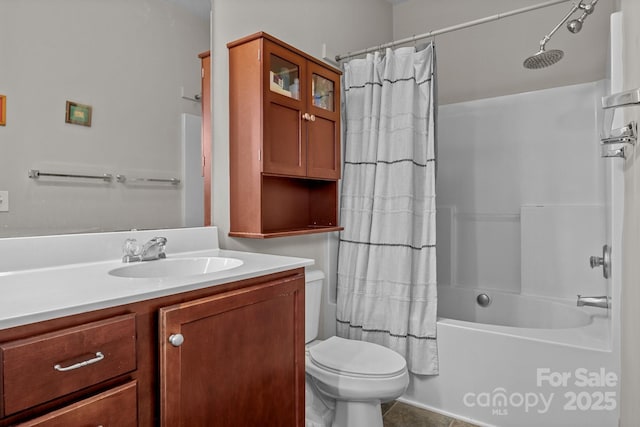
(323, 126)
(323, 135)
(241, 359)
(284, 150)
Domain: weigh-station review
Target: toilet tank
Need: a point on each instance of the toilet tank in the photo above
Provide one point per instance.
(312, 300)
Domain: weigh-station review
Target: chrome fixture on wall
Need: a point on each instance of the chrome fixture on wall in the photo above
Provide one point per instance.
(615, 141)
(483, 300)
(600, 301)
(575, 25)
(545, 58)
(604, 261)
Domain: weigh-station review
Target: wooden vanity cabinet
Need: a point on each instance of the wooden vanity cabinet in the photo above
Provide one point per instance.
(284, 129)
(235, 358)
(242, 357)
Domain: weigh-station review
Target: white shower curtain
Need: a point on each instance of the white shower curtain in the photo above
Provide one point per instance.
(387, 256)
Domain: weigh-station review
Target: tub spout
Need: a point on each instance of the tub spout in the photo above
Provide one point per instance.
(601, 301)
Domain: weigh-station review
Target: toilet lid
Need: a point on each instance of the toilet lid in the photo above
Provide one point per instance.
(357, 357)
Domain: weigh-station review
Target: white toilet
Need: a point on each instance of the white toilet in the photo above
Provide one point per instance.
(357, 375)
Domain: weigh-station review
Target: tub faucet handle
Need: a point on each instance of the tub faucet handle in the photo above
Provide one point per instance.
(604, 261)
(596, 261)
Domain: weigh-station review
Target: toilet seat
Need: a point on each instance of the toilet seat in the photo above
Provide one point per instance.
(356, 358)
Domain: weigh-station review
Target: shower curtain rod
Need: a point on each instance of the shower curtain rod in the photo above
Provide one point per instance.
(449, 29)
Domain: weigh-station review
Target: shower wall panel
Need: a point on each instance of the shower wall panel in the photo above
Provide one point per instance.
(496, 155)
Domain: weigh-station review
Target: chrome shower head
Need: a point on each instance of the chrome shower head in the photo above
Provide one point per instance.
(575, 26)
(543, 59)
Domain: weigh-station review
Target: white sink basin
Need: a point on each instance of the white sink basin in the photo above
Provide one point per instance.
(176, 267)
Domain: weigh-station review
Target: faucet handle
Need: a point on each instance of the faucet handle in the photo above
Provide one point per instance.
(160, 240)
(131, 247)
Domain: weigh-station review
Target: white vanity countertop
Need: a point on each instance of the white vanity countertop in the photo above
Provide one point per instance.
(38, 294)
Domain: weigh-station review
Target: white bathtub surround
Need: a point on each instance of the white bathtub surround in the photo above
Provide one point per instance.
(522, 361)
(549, 320)
(387, 261)
(523, 205)
(535, 153)
(505, 376)
(556, 243)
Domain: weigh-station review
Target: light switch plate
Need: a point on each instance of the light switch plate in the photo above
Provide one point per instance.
(4, 201)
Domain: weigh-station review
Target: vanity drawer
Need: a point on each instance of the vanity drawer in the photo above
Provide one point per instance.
(116, 407)
(44, 367)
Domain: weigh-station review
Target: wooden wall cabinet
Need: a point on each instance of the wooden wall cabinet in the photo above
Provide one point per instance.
(284, 129)
(241, 362)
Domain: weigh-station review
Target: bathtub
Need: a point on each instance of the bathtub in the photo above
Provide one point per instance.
(520, 361)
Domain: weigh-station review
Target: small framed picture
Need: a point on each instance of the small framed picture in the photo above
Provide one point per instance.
(3, 110)
(78, 114)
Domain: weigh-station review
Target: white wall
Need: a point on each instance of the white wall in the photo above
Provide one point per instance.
(521, 192)
(305, 24)
(630, 378)
(486, 60)
(125, 58)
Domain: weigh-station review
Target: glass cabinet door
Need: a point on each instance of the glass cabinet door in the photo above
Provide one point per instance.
(284, 149)
(284, 77)
(323, 126)
(322, 91)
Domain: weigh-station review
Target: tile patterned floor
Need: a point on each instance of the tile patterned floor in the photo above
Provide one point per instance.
(398, 414)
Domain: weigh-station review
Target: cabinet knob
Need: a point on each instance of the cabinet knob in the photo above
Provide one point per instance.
(305, 116)
(176, 340)
(312, 118)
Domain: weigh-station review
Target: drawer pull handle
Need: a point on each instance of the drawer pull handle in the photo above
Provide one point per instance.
(60, 368)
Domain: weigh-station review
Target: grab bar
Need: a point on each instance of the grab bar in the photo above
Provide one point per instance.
(619, 139)
(107, 177)
(123, 179)
(626, 134)
(35, 174)
(613, 141)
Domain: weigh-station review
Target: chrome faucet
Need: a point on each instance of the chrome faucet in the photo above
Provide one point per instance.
(601, 301)
(153, 249)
